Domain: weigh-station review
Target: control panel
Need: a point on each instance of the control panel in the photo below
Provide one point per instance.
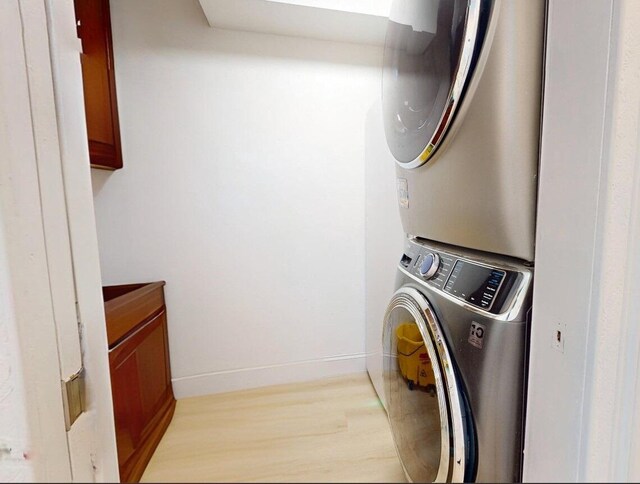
(480, 285)
(476, 284)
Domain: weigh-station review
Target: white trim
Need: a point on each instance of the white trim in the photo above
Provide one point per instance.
(68, 89)
(39, 179)
(39, 444)
(611, 377)
(629, 417)
(573, 158)
(625, 464)
(583, 422)
(54, 209)
(245, 378)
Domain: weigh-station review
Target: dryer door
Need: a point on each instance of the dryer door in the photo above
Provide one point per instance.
(431, 51)
(427, 408)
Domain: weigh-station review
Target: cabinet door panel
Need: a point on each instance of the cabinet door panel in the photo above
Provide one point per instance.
(142, 395)
(127, 405)
(94, 29)
(152, 369)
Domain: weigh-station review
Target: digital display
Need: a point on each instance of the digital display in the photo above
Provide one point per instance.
(478, 285)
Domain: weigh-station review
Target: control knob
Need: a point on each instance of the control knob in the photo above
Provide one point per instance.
(429, 266)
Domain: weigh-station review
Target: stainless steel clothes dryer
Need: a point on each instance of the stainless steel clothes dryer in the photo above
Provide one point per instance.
(453, 375)
(462, 84)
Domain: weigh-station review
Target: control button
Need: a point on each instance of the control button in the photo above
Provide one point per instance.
(429, 266)
(405, 261)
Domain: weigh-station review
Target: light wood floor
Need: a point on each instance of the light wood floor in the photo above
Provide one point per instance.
(331, 430)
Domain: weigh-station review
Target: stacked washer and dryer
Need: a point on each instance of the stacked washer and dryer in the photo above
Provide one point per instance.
(462, 87)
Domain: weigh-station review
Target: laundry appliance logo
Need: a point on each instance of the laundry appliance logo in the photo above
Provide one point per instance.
(476, 334)
(403, 192)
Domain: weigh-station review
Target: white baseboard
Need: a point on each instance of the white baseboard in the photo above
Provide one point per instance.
(244, 378)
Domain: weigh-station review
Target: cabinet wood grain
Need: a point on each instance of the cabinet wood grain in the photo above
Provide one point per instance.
(143, 398)
(93, 21)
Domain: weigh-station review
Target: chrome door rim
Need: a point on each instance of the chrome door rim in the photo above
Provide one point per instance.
(411, 300)
(472, 24)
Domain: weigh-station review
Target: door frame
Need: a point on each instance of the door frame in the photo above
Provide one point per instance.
(65, 49)
(583, 414)
(32, 415)
(49, 254)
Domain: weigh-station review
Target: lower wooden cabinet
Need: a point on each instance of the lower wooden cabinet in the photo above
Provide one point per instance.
(143, 399)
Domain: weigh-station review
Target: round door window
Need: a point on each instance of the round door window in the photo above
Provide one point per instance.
(414, 400)
(422, 396)
(429, 49)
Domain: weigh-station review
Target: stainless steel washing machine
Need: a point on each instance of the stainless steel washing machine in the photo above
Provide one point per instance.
(462, 84)
(453, 372)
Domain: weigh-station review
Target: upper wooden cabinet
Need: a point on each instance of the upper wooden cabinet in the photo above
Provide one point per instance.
(98, 75)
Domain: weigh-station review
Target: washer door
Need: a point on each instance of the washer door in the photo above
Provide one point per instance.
(431, 51)
(428, 412)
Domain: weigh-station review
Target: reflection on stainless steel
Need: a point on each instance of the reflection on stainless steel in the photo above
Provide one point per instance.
(426, 72)
(481, 391)
(427, 426)
(418, 419)
(478, 189)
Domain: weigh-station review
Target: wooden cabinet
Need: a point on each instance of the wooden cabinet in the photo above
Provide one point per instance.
(143, 399)
(98, 76)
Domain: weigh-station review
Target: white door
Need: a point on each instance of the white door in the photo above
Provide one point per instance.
(48, 202)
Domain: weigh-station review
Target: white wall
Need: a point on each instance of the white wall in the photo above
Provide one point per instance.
(243, 188)
(384, 238)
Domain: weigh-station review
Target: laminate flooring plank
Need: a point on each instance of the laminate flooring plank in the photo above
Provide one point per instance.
(332, 430)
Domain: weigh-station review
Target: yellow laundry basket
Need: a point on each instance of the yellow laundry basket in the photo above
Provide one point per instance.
(413, 358)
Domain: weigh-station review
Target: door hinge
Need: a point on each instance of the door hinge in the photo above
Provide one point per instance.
(73, 397)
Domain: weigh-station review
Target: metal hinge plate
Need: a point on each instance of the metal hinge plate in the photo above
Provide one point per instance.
(73, 397)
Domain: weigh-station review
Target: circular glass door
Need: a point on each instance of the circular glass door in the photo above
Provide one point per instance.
(430, 49)
(424, 402)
